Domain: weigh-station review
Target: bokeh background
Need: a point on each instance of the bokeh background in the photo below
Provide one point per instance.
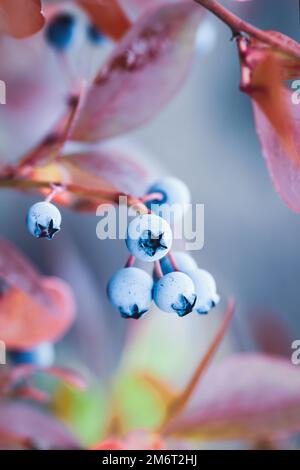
(205, 136)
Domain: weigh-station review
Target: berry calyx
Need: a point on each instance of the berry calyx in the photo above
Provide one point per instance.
(130, 291)
(43, 220)
(149, 237)
(175, 293)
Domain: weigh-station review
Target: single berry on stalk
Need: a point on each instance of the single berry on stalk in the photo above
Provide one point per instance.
(149, 237)
(60, 31)
(43, 220)
(175, 293)
(130, 291)
(206, 290)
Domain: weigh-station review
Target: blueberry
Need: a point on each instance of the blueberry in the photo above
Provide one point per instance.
(175, 293)
(206, 290)
(174, 192)
(60, 31)
(94, 34)
(43, 220)
(149, 237)
(42, 356)
(130, 291)
(184, 262)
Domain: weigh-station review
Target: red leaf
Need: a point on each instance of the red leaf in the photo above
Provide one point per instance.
(107, 16)
(20, 18)
(23, 422)
(248, 396)
(33, 309)
(276, 116)
(143, 73)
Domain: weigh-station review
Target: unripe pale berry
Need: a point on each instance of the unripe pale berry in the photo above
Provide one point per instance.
(206, 290)
(149, 237)
(176, 195)
(130, 291)
(175, 293)
(184, 262)
(60, 31)
(43, 220)
(41, 356)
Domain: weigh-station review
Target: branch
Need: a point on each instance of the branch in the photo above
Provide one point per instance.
(80, 191)
(237, 26)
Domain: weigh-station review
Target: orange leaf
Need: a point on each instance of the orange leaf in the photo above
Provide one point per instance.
(24, 322)
(20, 18)
(107, 16)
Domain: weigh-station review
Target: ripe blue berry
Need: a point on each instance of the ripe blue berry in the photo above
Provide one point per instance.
(94, 34)
(175, 293)
(41, 356)
(130, 291)
(149, 237)
(60, 31)
(43, 220)
(184, 262)
(175, 193)
(206, 290)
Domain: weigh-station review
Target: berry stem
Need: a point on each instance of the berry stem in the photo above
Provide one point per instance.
(130, 262)
(55, 190)
(172, 261)
(158, 269)
(237, 26)
(181, 401)
(151, 197)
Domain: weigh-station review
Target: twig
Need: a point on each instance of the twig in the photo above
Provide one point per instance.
(237, 26)
(181, 401)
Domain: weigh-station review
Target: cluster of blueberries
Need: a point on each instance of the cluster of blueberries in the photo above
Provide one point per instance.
(61, 29)
(177, 285)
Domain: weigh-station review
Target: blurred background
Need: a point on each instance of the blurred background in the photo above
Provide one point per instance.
(206, 137)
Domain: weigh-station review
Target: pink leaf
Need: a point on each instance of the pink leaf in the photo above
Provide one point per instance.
(40, 429)
(248, 396)
(142, 75)
(284, 172)
(108, 166)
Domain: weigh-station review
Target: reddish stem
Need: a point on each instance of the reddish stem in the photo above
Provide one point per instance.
(237, 25)
(130, 262)
(158, 270)
(181, 401)
(152, 196)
